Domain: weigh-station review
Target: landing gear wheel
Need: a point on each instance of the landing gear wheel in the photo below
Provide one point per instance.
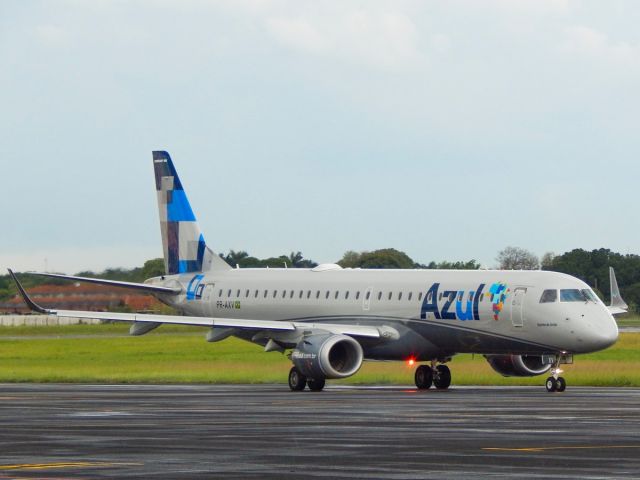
(561, 384)
(316, 384)
(423, 377)
(297, 381)
(442, 378)
(551, 384)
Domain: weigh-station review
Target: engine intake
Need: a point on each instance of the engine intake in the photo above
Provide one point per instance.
(328, 356)
(518, 365)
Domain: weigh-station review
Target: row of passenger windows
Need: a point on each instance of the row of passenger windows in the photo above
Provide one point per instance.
(569, 295)
(327, 294)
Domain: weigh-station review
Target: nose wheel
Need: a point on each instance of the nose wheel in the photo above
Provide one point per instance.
(556, 383)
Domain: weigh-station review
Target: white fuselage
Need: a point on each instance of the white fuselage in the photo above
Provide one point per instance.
(437, 312)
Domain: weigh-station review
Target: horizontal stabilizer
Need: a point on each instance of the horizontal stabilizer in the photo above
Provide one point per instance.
(113, 283)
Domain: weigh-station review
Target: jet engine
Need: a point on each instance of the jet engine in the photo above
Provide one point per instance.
(518, 365)
(327, 356)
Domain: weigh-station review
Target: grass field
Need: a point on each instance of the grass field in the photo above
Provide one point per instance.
(629, 321)
(174, 354)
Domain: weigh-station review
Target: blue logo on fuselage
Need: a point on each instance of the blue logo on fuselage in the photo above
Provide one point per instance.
(195, 287)
(465, 308)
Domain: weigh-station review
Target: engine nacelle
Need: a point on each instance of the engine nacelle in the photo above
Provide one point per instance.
(328, 356)
(518, 365)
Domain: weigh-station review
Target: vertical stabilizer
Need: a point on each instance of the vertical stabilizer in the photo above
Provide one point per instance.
(184, 247)
(616, 298)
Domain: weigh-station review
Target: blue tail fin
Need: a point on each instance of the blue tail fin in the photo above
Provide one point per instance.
(184, 247)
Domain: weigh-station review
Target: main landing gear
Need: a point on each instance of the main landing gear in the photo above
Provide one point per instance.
(297, 381)
(439, 376)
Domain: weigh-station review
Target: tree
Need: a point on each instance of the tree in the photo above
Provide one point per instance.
(459, 265)
(153, 268)
(296, 260)
(383, 258)
(234, 258)
(516, 258)
(350, 259)
(547, 260)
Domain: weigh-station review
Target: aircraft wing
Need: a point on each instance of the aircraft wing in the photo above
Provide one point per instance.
(248, 324)
(114, 283)
(617, 306)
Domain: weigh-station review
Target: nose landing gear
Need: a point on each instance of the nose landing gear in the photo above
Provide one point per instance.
(556, 383)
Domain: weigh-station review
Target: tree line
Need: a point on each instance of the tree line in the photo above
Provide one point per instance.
(590, 266)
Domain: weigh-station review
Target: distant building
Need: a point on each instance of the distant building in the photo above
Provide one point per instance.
(82, 296)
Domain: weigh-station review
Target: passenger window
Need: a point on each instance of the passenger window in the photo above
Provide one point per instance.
(308, 294)
(379, 295)
(229, 293)
(460, 294)
(357, 294)
(439, 297)
(471, 294)
(220, 292)
(346, 294)
(390, 295)
(419, 296)
(238, 294)
(317, 294)
(549, 296)
(399, 296)
(326, 295)
(275, 292)
(481, 296)
(265, 294)
(291, 294)
(410, 295)
(256, 294)
(246, 294)
(336, 295)
(300, 296)
(284, 294)
(368, 295)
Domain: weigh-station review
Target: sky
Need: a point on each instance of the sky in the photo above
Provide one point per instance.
(445, 129)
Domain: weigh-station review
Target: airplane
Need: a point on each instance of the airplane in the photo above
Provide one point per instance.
(330, 319)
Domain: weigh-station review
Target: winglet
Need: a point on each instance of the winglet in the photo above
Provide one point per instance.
(617, 305)
(30, 303)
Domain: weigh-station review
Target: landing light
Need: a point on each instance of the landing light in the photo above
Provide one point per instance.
(411, 361)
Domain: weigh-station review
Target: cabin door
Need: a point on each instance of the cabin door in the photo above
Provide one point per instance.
(517, 307)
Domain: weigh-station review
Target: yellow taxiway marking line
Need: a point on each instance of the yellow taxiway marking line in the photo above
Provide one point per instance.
(47, 466)
(569, 447)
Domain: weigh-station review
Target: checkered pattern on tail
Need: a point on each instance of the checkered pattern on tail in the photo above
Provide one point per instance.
(184, 247)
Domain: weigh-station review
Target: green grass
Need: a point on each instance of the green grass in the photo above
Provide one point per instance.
(629, 320)
(181, 355)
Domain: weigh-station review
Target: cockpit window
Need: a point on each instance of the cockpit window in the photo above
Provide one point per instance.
(588, 293)
(549, 296)
(572, 295)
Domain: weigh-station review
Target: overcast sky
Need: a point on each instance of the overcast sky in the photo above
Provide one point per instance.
(446, 129)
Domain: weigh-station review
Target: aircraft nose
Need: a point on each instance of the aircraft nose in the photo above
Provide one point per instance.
(604, 333)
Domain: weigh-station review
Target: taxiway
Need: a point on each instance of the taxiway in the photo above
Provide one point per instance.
(261, 431)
